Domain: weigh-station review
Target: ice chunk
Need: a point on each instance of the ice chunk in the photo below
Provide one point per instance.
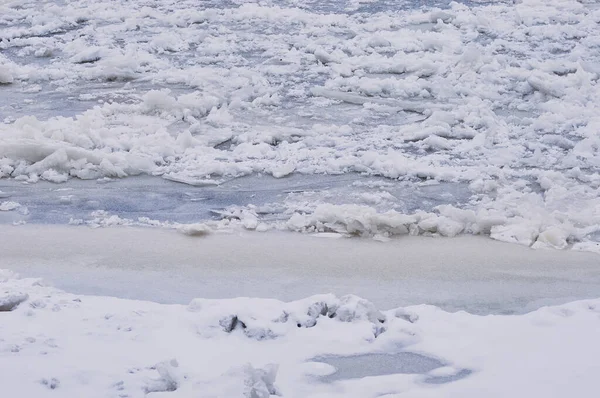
(260, 383)
(9, 205)
(351, 98)
(523, 234)
(324, 57)
(170, 377)
(6, 74)
(353, 308)
(352, 219)
(553, 237)
(197, 229)
(10, 300)
(379, 41)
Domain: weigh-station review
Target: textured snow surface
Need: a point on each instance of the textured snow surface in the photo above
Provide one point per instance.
(498, 96)
(339, 118)
(56, 343)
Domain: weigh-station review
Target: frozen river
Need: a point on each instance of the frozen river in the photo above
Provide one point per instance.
(168, 201)
(299, 198)
(464, 273)
(490, 107)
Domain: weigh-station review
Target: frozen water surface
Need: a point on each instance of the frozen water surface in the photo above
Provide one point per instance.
(165, 200)
(463, 273)
(378, 364)
(497, 96)
(382, 364)
(188, 126)
(372, 118)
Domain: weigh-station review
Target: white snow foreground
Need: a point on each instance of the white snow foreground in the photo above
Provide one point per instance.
(52, 342)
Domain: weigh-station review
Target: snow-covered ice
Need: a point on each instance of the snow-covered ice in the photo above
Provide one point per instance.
(56, 343)
(463, 273)
(186, 128)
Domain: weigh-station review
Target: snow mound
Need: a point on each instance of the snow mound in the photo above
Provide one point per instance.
(8, 206)
(11, 300)
(447, 221)
(352, 219)
(269, 319)
(85, 334)
(196, 229)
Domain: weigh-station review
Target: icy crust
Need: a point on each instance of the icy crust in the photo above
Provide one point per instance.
(366, 221)
(59, 343)
(215, 330)
(501, 96)
(447, 221)
(501, 88)
(262, 319)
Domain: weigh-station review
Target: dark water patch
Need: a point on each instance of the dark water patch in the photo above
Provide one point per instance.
(163, 200)
(383, 364)
(448, 379)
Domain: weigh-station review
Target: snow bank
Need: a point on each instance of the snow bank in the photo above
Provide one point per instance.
(258, 320)
(60, 343)
(101, 218)
(447, 221)
(9, 301)
(369, 222)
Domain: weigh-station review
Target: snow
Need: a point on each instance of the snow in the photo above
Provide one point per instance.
(173, 173)
(9, 205)
(10, 301)
(347, 205)
(6, 75)
(57, 342)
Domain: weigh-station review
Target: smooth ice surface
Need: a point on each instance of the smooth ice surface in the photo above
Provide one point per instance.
(463, 273)
(388, 363)
(377, 365)
(163, 200)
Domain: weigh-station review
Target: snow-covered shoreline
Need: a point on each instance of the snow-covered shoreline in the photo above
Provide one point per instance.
(348, 205)
(295, 198)
(56, 343)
